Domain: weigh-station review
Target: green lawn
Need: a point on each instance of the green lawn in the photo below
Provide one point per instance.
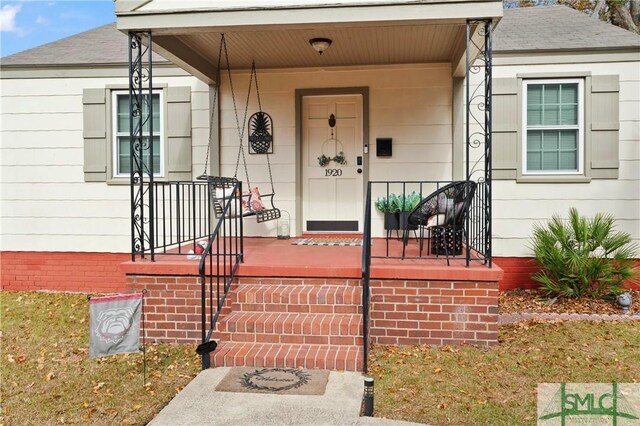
(48, 377)
(497, 386)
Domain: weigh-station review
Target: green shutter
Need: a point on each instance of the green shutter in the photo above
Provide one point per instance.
(94, 133)
(505, 122)
(178, 140)
(604, 126)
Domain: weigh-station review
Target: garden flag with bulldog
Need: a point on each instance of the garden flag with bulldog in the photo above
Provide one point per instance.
(115, 324)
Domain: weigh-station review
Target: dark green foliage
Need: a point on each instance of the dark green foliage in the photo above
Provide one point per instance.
(583, 257)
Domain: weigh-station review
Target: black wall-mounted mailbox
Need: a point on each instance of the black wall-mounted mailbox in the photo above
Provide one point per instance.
(384, 147)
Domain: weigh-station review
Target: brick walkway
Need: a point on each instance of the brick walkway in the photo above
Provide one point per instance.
(512, 318)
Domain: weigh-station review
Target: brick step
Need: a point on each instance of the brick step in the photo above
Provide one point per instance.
(275, 281)
(332, 329)
(298, 298)
(343, 358)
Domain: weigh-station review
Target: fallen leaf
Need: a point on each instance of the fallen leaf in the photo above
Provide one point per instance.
(20, 359)
(50, 376)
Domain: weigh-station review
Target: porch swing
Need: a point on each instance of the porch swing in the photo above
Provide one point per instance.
(261, 142)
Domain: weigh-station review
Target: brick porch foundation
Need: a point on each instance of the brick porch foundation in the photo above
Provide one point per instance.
(434, 312)
(316, 322)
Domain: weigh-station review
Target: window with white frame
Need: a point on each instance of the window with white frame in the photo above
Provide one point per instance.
(121, 137)
(553, 126)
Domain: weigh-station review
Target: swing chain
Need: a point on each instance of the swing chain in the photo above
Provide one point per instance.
(254, 75)
(242, 128)
(253, 79)
(213, 107)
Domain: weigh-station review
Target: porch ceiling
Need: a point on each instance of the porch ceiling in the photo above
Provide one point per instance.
(291, 49)
(363, 33)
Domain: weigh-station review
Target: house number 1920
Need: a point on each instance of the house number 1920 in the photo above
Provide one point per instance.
(333, 172)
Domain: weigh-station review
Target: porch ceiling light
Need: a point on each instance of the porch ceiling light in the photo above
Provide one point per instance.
(320, 44)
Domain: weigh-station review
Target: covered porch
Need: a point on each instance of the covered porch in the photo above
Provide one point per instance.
(395, 77)
(404, 64)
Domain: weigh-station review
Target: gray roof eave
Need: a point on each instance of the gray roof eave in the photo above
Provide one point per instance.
(601, 49)
(94, 65)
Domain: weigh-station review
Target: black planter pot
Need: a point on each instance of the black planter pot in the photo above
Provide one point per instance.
(404, 216)
(391, 221)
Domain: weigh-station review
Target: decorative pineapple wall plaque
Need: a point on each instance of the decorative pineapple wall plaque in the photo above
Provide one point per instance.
(260, 138)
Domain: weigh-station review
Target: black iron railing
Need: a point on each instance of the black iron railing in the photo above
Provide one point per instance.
(217, 269)
(392, 226)
(183, 215)
(366, 275)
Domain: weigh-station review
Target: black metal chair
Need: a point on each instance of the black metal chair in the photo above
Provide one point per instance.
(442, 214)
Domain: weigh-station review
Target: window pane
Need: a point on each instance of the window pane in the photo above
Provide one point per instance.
(551, 115)
(569, 115)
(534, 105)
(534, 140)
(569, 93)
(568, 161)
(550, 160)
(156, 113)
(551, 101)
(534, 94)
(124, 115)
(550, 140)
(123, 155)
(534, 115)
(534, 160)
(551, 94)
(568, 140)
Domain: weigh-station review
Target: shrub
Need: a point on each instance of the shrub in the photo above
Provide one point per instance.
(583, 257)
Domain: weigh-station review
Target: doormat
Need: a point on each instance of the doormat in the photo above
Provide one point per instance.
(282, 381)
(328, 241)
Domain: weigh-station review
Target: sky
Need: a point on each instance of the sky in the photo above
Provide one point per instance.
(30, 23)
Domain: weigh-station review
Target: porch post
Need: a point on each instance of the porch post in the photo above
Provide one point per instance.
(141, 145)
(478, 136)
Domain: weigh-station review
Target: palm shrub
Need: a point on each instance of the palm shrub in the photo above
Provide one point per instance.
(583, 257)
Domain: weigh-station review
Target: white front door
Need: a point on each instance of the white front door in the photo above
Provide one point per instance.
(332, 193)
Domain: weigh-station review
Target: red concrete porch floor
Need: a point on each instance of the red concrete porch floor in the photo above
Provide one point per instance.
(270, 257)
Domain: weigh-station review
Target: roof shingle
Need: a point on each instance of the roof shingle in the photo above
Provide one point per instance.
(104, 45)
(558, 28)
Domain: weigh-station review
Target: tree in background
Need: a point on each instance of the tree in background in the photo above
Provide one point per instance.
(623, 13)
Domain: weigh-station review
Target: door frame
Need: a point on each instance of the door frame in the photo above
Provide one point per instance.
(328, 91)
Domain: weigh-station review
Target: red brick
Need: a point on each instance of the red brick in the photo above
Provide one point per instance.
(395, 315)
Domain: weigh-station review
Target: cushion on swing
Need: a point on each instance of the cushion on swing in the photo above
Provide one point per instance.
(255, 202)
(239, 207)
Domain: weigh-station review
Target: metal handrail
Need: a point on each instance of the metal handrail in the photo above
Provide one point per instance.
(227, 236)
(366, 275)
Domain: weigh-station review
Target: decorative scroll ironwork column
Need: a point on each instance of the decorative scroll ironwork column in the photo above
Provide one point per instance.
(478, 136)
(141, 144)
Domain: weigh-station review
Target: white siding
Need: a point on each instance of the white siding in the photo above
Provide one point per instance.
(411, 104)
(517, 206)
(45, 203)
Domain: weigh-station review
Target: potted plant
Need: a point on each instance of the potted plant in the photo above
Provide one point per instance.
(407, 204)
(390, 207)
